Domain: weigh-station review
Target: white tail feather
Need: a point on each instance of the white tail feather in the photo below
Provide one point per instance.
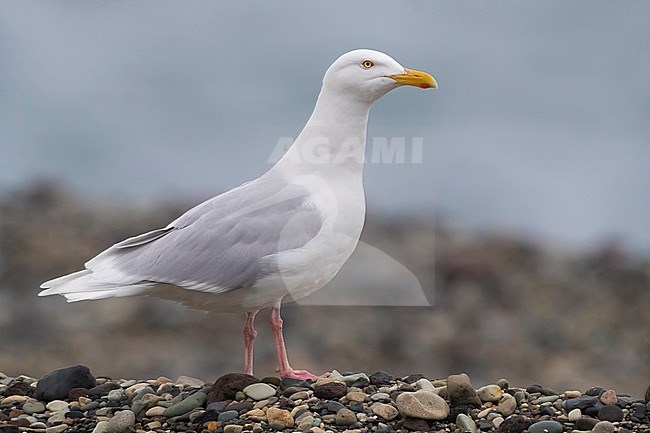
(82, 286)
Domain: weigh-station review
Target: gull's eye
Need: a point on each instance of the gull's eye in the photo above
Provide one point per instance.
(367, 64)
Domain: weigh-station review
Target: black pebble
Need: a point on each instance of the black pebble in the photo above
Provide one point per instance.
(535, 389)
(416, 424)
(611, 413)
(412, 378)
(484, 424)
(647, 394)
(333, 406)
(382, 378)
(9, 429)
(596, 390)
(514, 424)
(582, 402)
(545, 410)
(57, 384)
(74, 414)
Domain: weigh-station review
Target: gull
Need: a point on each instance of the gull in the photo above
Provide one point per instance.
(273, 240)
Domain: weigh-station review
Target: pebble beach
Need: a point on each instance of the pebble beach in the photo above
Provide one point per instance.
(73, 400)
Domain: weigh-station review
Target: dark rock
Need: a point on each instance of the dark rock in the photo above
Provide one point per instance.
(273, 380)
(533, 389)
(208, 415)
(19, 388)
(547, 426)
(611, 413)
(287, 382)
(292, 390)
(20, 422)
(582, 402)
(9, 429)
(333, 406)
(484, 424)
(593, 410)
(356, 407)
(330, 390)
(586, 423)
(227, 386)
(647, 394)
(638, 410)
(595, 391)
(240, 406)
(75, 393)
(461, 391)
(74, 414)
(382, 378)
(546, 410)
(103, 389)
(361, 382)
(412, 378)
(514, 424)
(416, 424)
(217, 406)
(57, 384)
(228, 415)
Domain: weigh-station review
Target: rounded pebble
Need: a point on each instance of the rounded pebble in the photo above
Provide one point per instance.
(603, 427)
(547, 426)
(422, 405)
(611, 413)
(121, 422)
(259, 391)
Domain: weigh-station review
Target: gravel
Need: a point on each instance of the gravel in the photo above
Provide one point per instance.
(345, 402)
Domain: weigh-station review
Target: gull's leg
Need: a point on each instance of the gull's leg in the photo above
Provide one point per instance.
(284, 368)
(249, 340)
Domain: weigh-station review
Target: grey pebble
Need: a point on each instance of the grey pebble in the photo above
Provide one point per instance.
(228, 415)
(188, 404)
(32, 406)
(121, 422)
(466, 424)
(603, 427)
(259, 391)
(547, 426)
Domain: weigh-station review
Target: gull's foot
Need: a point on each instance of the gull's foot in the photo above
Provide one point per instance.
(298, 374)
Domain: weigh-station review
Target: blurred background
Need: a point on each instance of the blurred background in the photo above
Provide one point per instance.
(524, 222)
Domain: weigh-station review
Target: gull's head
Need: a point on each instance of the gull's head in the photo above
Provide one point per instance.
(368, 75)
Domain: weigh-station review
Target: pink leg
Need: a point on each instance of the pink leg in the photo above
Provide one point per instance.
(284, 368)
(249, 340)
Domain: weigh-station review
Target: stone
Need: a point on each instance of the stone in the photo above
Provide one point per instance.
(382, 378)
(386, 411)
(345, 417)
(380, 396)
(259, 391)
(226, 387)
(121, 422)
(330, 390)
(155, 411)
(503, 384)
(57, 384)
(422, 405)
(489, 393)
(461, 392)
(351, 379)
(32, 406)
(611, 413)
(19, 388)
(507, 405)
(38, 426)
(256, 414)
(466, 424)
(233, 428)
(647, 394)
(572, 394)
(603, 427)
(116, 395)
(103, 389)
(228, 415)
(582, 402)
(608, 397)
(9, 429)
(57, 405)
(279, 417)
(513, 424)
(356, 396)
(57, 428)
(574, 415)
(186, 405)
(101, 427)
(418, 425)
(424, 384)
(547, 426)
(586, 423)
(188, 381)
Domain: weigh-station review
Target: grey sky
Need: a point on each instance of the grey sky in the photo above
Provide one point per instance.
(540, 124)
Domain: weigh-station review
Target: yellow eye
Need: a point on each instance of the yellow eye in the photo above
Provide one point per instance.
(367, 64)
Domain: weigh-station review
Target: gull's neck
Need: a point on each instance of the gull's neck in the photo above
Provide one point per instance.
(334, 138)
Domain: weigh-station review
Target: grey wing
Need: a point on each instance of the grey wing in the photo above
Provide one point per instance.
(218, 245)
